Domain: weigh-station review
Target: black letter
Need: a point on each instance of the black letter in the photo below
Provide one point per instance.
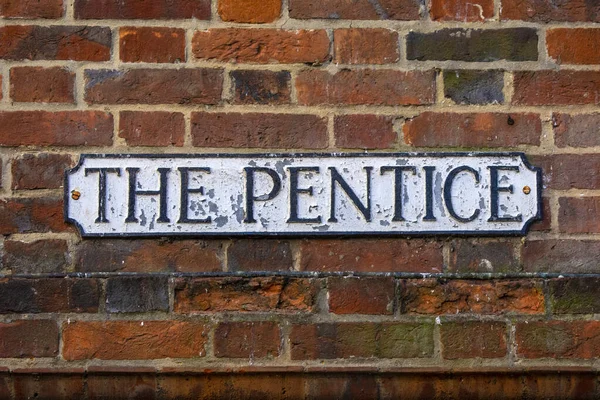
(429, 194)
(495, 189)
(185, 191)
(448, 192)
(398, 188)
(294, 191)
(250, 198)
(336, 177)
(133, 192)
(102, 189)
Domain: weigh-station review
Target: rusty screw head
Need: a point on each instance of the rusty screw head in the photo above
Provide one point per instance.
(75, 195)
(526, 190)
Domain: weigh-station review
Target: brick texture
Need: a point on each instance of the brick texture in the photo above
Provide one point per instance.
(152, 45)
(42, 85)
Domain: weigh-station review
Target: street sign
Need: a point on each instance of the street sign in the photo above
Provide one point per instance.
(302, 194)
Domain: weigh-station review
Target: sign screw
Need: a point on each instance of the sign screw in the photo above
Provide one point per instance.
(75, 195)
(526, 190)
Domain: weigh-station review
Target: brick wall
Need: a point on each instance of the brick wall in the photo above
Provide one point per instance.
(302, 318)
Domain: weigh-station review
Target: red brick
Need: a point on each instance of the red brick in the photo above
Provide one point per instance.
(22, 215)
(42, 85)
(579, 214)
(259, 255)
(473, 339)
(77, 43)
(575, 256)
(576, 130)
(544, 11)
(39, 256)
(558, 339)
(569, 171)
(366, 86)
(483, 256)
(258, 130)
(261, 87)
(365, 295)
(40, 171)
(404, 10)
(371, 255)
(261, 45)
(247, 340)
(273, 294)
(62, 128)
(574, 46)
(556, 87)
(49, 386)
(153, 45)
(48, 9)
(462, 10)
(154, 86)
(431, 129)
(142, 9)
(433, 297)
(252, 11)
(133, 340)
(154, 129)
(147, 255)
(545, 224)
(365, 46)
(28, 338)
(364, 131)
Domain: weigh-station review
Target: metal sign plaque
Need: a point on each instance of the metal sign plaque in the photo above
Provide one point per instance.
(302, 194)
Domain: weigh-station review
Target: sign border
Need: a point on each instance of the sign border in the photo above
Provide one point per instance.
(521, 232)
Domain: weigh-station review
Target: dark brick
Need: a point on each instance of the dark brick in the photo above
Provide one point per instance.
(569, 171)
(479, 255)
(137, 386)
(558, 339)
(545, 224)
(49, 386)
(247, 340)
(483, 45)
(261, 87)
(474, 87)
(40, 171)
(259, 255)
(22, 215)
(576, 130)
(403, 10)
(473, 339)
(42, 85)
(29, 338)
(77, 43)
(48, 9)
(146, 9)
(579, 214)
(364, 295)
(555, 11)
(137, 294)
(547, 88)
(364, 131)
(154, 129)
(575, 295)
(150, 44)
(561, 255)
(40, 256)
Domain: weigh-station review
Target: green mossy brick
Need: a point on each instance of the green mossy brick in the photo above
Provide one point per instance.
(575, 295)
(474, 87)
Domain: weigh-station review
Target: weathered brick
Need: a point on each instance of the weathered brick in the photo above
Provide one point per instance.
(364, 131)
(154, 86)
(42, 85)
(137, 294)
(483, 45)
(48, 295)
(40, 171)
(365, 295)
(560, 255)
(474, 87)
(558, 339)
(247, 340)
(361, 339)
(433, 297)
(251, 11)
(154, 129)
(343, 386)
(366, 86)
(29, 338)
(62, 128)
(556, 87)
(259, 255)
(153, 45)
(133, 340)
(78, 43)
(461, 10)
(274, 294)
(259, 130)
(22, 215)
(261, 45)
(431, 129)
(371, 255)
(47, 9)
(147, 9)
(544, 11)
(148, 255)
(136, 385)
(365, 46)
(479, 255)
(473, 339)
(49, 386)
(578, 295)
(261, 87)
(579, 214)
(404, 10)
(568, 171)
(40, 256)
(576, 130)
(574, 46)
